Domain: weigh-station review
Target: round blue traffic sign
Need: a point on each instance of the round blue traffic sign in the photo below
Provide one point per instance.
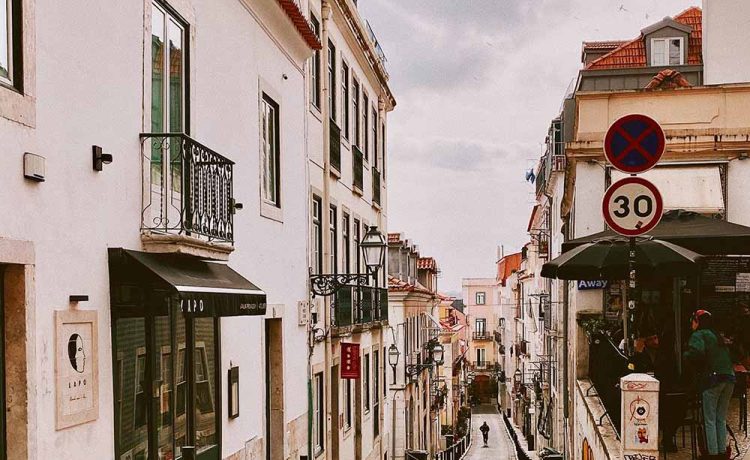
(634, 143)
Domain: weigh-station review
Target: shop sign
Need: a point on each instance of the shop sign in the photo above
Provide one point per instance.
(585, 285)
(350, 361)
(76, 367)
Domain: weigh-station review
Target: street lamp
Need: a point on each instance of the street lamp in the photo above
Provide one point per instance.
(393, 355)
(373, 251)
(435, 357)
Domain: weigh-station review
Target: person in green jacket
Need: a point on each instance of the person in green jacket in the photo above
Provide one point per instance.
(707, 351)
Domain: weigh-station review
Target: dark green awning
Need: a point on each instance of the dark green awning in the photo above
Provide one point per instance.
(205, 288)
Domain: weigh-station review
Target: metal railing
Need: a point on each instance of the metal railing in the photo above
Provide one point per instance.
(457, 450)
(335, 145)
(481, 335)
(187, 188)
(481, 364)
(358, 168)
(375, 185)
(521, 454)
(606, 365)
(359, 305)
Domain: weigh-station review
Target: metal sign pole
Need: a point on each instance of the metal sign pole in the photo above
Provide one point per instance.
(630, 312)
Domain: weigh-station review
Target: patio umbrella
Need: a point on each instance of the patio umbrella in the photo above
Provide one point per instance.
(607, 259)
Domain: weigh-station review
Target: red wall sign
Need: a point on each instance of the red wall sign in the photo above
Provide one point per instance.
(350, 361)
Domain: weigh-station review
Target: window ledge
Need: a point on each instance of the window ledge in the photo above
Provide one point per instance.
(357, 191)
(335, 172)
(316, 112)
(272, 212)
(376, 206)
(182, 244)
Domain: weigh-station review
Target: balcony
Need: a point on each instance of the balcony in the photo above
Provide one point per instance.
(481, 335)
(359, 305)
(334, 133)
(188, 206)
(358, 169)
(375, 186)
(481, 364)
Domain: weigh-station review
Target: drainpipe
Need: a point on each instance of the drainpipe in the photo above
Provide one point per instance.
(566, 360)
(326, 205)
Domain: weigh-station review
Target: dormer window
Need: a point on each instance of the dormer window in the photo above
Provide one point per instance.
(667, 51)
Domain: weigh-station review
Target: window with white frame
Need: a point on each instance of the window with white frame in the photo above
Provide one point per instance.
(667, 51)
(7, 12)
(365, 127)
(481, 298)
(481, 357)
(348, 404)
(331, 81)
(480, 326)
(355, 112)
(319, 432)
(374, 135)
(345, 99)
(317, 236)
(270, 156)
(346, 242)
(366, 382)
(315, 66)
(333, 235)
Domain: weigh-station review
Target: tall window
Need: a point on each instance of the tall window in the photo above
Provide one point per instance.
(346, 243)
(331, 81)
(366, 381)
(168, 83)
(666, 51)
(348, 404)
(481, 357)
(480, 298)
(374, 127)
(315, 67)
(357, 253)
(345, 98)
(7, 44)
(480, 326)
(271, 152)
(376, 391)
(319, 432)
(332, 231)
(355, 112)
(365, 125)
(382, 147)
(317, 236)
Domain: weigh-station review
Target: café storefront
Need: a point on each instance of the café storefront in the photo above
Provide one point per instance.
(166, 342)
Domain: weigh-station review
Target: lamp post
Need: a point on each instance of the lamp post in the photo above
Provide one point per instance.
(393, 355)
(436, 356)
(373, 251)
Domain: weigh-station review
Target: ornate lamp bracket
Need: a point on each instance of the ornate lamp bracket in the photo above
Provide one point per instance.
(326, 285)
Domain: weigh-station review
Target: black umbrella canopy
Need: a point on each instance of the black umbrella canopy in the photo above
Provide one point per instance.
(607, 259)
(690, 230)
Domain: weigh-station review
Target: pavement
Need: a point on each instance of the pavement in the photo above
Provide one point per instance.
(499, 445)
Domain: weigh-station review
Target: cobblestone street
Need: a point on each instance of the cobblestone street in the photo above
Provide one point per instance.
(499, 445)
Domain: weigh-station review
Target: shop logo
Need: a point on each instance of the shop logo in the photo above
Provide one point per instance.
(76, 353)
(191, 306)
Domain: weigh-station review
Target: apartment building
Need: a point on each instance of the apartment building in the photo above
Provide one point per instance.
(482, 310)
(154, 250)
(348, 101)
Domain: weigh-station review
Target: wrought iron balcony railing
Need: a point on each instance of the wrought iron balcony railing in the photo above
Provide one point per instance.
(481, 364)
(335, 146)
(481, 335)
(358, 169)
(375, 185)
(187, 188)
(359, 305)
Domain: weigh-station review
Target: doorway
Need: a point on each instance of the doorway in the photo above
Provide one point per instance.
(274, 390)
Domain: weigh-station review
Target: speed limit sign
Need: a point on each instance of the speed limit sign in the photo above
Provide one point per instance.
(632, 206)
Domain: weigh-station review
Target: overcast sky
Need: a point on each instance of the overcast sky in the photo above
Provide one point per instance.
(477, 83)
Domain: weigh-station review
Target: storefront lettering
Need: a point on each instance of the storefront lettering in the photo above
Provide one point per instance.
(191, 306)
(591, 284)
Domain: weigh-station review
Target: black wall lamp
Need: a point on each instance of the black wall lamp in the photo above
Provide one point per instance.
(100, 158)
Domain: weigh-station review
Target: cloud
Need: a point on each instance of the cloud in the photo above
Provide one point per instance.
(477, 84)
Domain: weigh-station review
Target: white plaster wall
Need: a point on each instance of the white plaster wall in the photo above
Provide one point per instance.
(738, 188)
(726, 31)
(89, 91)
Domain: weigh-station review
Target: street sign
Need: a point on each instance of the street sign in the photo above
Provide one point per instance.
(634, 143)
(632, 206)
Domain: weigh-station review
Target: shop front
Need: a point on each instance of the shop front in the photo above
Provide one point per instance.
(166, 342)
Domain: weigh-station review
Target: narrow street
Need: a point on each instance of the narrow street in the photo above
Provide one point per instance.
(499, 445)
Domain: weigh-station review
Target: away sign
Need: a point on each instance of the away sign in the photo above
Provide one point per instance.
(584, 285)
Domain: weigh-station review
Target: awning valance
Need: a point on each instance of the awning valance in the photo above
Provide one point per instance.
(204, 288)
(698, 233)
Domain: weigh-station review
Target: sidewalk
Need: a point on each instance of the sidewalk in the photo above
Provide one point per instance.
(499, 445)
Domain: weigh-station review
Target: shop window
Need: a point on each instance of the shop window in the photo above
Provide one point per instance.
(139, 419)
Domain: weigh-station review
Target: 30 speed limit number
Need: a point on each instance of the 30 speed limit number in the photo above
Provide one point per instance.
(632, 206)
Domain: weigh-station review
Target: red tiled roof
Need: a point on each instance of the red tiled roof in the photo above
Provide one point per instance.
(396, 285)
(668, 79)
(507, 265)
(394, 237)
(426, 263)
(608, 45)
(633, 53)
(300, 23)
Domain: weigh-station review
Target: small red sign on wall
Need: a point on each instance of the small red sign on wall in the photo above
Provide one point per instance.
(350, 361)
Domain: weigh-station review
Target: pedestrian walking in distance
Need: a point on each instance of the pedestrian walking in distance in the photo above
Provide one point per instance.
(485, 429)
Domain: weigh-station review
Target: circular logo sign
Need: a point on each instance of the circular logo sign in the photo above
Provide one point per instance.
(634, 143)
(632, 206)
